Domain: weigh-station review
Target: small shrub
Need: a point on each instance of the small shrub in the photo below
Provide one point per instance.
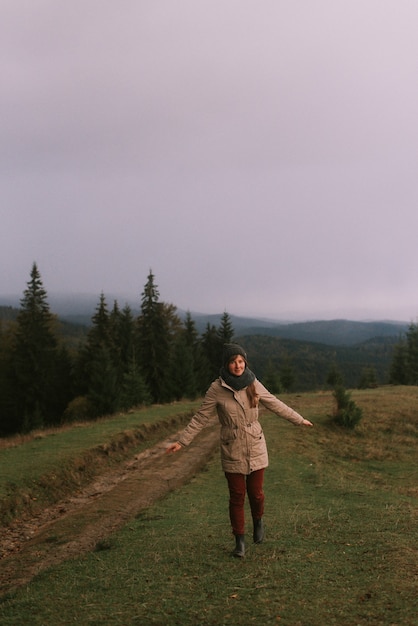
(347, 413)
(79, 409)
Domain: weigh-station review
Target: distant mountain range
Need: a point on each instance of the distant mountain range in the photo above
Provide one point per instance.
(329, 332)
(78, 309)
(333, 332)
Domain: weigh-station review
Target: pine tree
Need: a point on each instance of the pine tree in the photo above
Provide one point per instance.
(213, 341)
(190, 333)
(98, 375)
(134, 391)
(122, 339)
(185, 369)
(225, 332)
(201, 365)
(101, 331)
(35, 360)
(154, 334)
(103, 387)
(125, 337)
(182, 370)
(212, 350)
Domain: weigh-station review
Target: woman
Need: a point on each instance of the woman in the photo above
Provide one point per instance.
(234, 397)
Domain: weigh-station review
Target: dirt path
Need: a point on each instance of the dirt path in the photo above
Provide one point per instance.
(85, 521)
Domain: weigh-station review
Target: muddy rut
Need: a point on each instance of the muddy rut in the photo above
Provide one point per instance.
(85, 521)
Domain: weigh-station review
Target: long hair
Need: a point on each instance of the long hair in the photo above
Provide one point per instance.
(252, 395)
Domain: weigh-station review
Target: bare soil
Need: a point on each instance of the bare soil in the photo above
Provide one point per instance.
(85, 521)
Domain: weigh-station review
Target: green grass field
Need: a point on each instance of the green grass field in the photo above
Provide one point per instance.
(340, 549)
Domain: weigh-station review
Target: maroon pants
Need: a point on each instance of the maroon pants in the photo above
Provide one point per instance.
(238, 485)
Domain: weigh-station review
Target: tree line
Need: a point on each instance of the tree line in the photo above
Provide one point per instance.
(124, 361)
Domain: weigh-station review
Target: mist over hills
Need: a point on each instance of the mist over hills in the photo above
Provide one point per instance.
(79, 308)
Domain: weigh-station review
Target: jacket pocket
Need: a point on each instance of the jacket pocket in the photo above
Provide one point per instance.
(229, 444)
(258, 445)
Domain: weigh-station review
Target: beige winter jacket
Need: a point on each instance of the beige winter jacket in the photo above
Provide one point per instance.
(243, 446)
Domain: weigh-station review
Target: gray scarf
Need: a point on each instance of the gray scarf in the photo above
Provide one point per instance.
(237, 382)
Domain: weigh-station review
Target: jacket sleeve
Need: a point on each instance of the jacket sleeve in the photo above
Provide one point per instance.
(269, 401)
(203, 417)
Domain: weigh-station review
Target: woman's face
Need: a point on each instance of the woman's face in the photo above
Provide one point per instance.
(236, 365)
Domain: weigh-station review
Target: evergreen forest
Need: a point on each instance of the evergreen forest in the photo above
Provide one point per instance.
(53, 372)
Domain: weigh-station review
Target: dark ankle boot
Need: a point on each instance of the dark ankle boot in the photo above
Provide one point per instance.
(258, 534)
(239, 550)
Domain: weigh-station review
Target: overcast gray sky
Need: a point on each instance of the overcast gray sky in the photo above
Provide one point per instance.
(260, 156)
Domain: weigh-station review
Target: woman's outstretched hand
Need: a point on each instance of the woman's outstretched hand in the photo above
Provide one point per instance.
(173, 448)
(306, 423)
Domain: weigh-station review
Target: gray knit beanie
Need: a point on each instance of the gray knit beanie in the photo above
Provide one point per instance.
(232, 349)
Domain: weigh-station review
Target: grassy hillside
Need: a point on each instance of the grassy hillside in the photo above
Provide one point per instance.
(340, 549)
